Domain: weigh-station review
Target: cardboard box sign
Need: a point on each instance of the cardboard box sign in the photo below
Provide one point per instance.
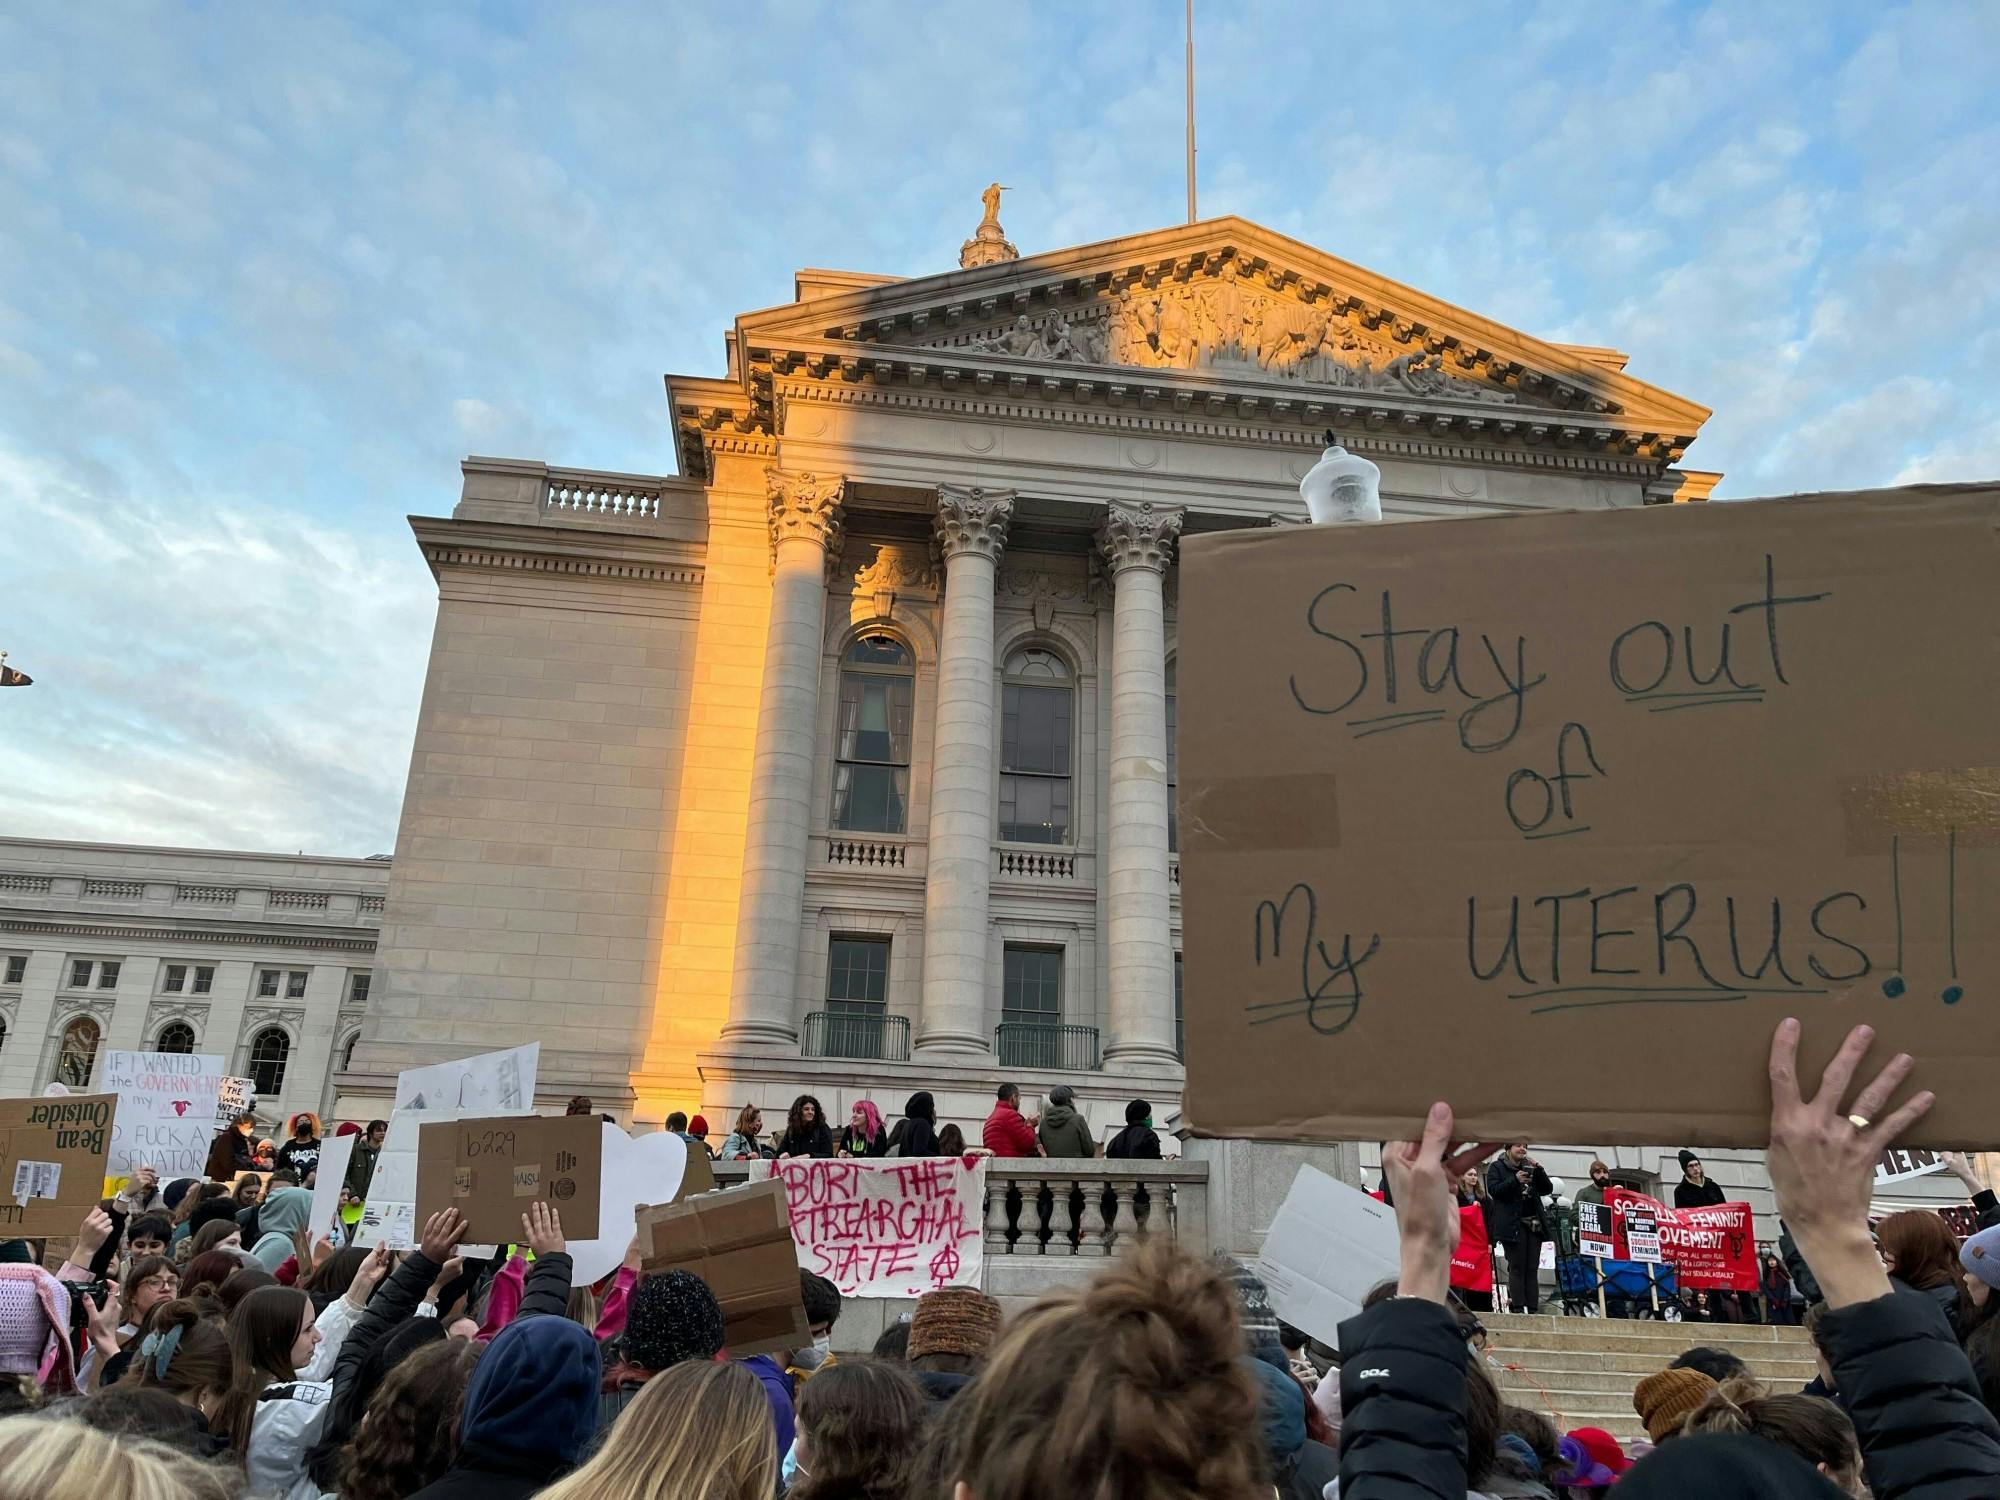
(52, 1158)
(492, 1167)
(1555, 816)
(739, 1241)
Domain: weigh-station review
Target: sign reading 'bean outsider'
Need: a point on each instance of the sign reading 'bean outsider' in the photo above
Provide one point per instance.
(1555, 816)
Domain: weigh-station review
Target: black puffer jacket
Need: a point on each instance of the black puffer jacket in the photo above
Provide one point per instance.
(1925, 1433)
(1402, 1395)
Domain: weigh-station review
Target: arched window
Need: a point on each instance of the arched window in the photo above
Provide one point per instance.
(1173, 762)
(1037, 706)
(175, 1036)
(78, 1053)
(270, 1049)
(347, 1052)
(871, 779)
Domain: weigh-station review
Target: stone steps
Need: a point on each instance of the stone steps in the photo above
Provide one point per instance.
(1581, 1371)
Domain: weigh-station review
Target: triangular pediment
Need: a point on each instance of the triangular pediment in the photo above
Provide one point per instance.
(1229, 297)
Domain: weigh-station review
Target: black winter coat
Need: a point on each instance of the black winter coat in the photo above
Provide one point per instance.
(1925, 1433)
(1512, 1202)
(1697, 1195)
(1134, 1143)
(1402, 1395)
(476, 1475)
(815, 1140)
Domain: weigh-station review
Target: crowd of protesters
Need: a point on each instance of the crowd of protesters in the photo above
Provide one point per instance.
(195, 1347)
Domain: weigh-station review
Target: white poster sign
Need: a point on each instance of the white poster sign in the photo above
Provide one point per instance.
(1593, 1230)
(334, 1155)
(166, 1111)
(1907, 1166)
(1642, 1238)
(1328, 1245)
(493, 1083)
(891, 1228)
(646, 1170)
(235, 1096)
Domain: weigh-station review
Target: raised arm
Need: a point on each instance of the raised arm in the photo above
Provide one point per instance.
(1925, 1434)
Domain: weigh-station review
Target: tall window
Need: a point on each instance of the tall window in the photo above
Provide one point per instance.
(175, 1036)
(295, 985)
(1036, 709)
(267, 982)
(357, 988)
(871, 781)
(857, 992)
(17, 967)
(77, 1054)
(107, 974)
(175, 979)
(347, 1051)
(204, 978)
(1031, 996)
(1173, 763)
(79, 973)
(270, 1049)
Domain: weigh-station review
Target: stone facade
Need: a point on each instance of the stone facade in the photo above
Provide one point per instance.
(751, 782)
(263, 959)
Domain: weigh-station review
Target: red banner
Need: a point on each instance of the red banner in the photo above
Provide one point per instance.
(1472, 1261)
(1712, 1248)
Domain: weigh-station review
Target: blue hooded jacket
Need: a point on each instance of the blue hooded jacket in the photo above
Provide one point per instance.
(530, 1411)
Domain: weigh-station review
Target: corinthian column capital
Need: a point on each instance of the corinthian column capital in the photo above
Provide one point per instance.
(1138, 536)
(806, 506)
(971, 519)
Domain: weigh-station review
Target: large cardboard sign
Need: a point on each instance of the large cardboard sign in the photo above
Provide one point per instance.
(166, 1111)
(1327, 1246)
(886, 1228)
(492, 1082)
(1462, 797)
(52, 1157)
(1711, 1248)
(491, 1168)
(739, 1241)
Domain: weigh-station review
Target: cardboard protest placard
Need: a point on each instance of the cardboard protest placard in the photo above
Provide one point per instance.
(389, 1216)
(1461, 797)
(52, 1157)
(491, 1167)
(1713, 1247)
(1327, 1245)
(886, 1228)
(231, 1099)
(166, 1111)
(1593, 1230)
(739, 1241)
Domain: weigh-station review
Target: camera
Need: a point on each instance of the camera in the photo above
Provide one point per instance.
(79, 1311)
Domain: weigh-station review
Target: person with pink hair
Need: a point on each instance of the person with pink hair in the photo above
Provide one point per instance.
(864, 1135)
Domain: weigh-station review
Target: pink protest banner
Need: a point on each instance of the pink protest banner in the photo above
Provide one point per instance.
(1712, 1248)
(896, 1228)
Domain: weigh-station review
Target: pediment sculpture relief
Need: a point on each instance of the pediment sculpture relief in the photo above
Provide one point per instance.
(1223, 322)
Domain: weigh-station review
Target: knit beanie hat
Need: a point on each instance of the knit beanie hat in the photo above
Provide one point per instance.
(176, 1190)
(674, 1317)
(1687, 1156)
(209, 1211)
(1981, 1256)
(1664, 1400)
(348, 1127)
(34, 1327)
(1137, 1112)
(698, 1125)
(955, 1320)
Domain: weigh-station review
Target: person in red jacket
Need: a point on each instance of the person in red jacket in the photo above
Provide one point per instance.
(1008, 1132)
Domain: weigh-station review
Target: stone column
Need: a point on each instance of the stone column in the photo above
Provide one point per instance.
(972, 531)
(805, 534)
(1137, 542)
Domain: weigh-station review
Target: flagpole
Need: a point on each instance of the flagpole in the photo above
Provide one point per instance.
(1190, 110)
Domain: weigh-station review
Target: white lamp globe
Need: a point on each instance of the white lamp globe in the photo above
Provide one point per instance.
(1342, 486)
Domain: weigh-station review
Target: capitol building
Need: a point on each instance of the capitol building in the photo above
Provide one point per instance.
(841, 761)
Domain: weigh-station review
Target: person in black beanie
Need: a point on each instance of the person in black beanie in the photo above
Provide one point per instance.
(916, 1133)
(1695, 1190)
(673, 1317)
(1137, 1141)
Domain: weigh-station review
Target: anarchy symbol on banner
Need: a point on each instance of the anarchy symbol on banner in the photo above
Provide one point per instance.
(944, 1266)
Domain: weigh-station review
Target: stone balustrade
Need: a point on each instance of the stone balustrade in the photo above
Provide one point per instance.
(587, 493)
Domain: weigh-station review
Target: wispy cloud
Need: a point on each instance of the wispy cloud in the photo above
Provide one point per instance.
(266, 274)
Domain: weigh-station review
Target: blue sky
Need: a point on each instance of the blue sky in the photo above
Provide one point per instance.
(267, 272)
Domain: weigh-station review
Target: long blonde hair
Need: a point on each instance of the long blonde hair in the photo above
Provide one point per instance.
(698, 1431)
(44, 1460)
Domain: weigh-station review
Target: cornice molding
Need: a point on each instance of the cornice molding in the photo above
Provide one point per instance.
(343, 941)
(506, 548)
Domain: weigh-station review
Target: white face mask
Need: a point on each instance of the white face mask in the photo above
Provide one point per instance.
(817, 1355)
